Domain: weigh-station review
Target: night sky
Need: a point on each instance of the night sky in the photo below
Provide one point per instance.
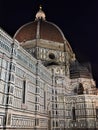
(78, 19)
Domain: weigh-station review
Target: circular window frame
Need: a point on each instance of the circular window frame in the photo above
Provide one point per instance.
(52, 56)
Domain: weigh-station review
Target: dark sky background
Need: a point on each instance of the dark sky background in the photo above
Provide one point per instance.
(78, 19)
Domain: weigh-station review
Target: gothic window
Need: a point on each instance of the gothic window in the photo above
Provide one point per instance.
(36, 107)
(36, 122)
(44, 99)
(53, 124)
(24, 91)
(37, 90)
(55, 98)
(75, 90)
(80, 89)
(52, 106)
(73, 113)
(7, 64)
(52, 98)
(56, 106)
(53, 112)
(56, 112)
(56, 92)
(96, 113)
(52, 91)
(56, 123)
(36, 99)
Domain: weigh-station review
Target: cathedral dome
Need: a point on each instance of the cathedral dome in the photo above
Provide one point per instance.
(47, 31)
(39, 29)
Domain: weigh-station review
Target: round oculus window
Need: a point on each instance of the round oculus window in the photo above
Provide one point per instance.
(51, 56)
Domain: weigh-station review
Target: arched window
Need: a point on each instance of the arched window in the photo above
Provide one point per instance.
(56, 123)
(73, 113)
(80, 89)
(24, 91)
(44, 99)
(97, 113)
(53, 124)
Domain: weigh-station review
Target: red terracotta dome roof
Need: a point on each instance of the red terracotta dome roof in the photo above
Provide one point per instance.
(47, 31)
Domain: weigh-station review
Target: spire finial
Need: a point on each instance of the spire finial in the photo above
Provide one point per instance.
(40, 7)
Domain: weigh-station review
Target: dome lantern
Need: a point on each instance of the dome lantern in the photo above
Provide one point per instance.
(40, 14)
